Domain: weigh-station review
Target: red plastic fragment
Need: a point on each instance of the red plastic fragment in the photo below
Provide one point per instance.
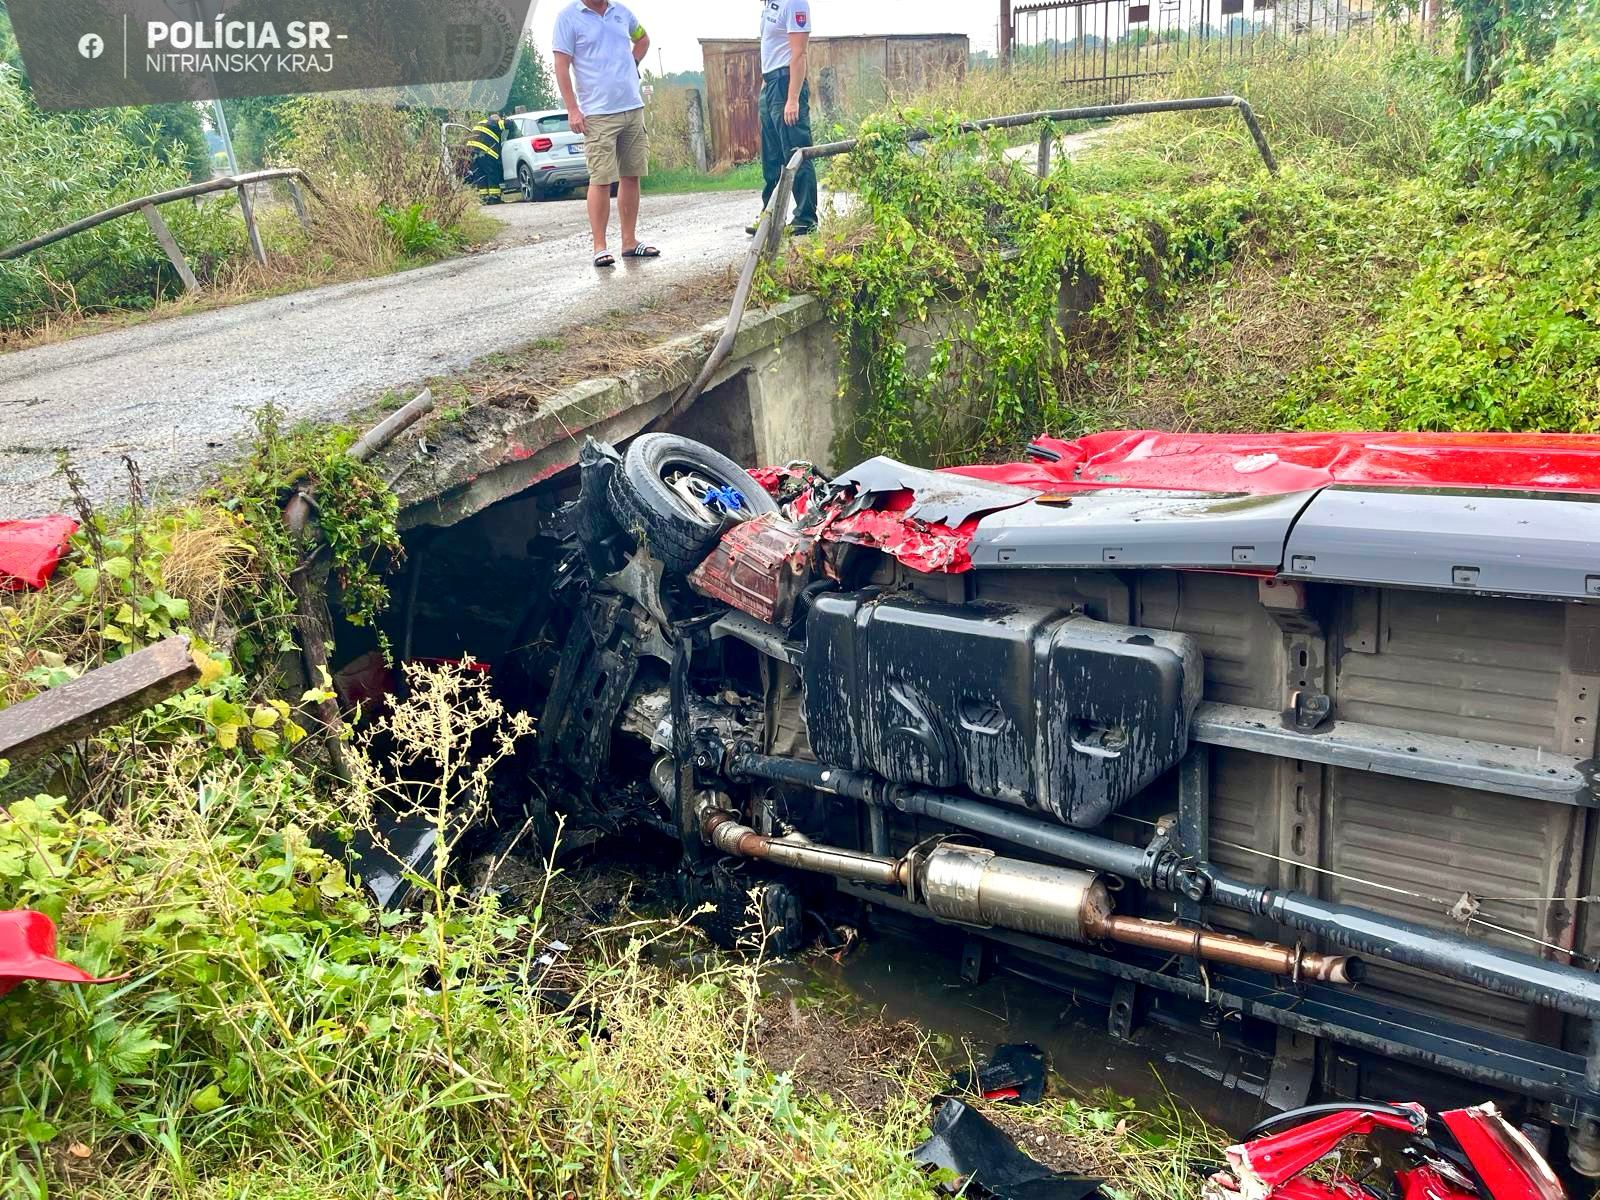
(1502, 1157)
(28, 949)
(30, 550)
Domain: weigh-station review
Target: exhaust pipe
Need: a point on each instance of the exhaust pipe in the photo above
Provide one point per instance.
(972, 886)
(1294, 961)
(723, 830)
(976, 887)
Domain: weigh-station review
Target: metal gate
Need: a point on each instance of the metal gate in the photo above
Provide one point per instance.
(1107, 46)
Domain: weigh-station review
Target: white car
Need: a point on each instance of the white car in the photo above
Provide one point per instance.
(545, 156)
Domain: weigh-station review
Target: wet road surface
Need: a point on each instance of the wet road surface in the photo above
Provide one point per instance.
(176, 395)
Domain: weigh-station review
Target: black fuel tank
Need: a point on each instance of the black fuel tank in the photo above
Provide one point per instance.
(1035, 707)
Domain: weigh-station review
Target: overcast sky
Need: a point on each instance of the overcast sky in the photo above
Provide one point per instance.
(677, 25)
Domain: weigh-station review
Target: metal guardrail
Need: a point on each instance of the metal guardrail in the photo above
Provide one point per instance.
(147, 205)
(770, 230)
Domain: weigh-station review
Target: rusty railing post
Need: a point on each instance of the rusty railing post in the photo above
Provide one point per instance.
(1260, 138)
(158, 226)
(297, 198)
(248, 209)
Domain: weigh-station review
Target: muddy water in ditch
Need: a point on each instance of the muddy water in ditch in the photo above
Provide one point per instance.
(901, 978)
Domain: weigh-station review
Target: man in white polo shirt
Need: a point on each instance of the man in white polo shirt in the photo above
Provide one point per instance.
(601, 44)
(786, 106)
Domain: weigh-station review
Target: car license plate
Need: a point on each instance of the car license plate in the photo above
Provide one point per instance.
(575, 148)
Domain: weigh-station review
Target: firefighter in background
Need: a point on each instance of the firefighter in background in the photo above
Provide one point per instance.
(488, 136)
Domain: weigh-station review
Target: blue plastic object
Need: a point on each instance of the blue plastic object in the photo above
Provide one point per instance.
(725, 499)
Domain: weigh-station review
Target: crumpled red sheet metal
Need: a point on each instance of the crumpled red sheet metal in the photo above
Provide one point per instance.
(931, 547)
(1277, 463)
(934, 548)
(1253, 464)
(772, 478)
(30, 550)
(28, 951)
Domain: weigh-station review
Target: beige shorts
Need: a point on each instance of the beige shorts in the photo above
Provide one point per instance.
(617, 147)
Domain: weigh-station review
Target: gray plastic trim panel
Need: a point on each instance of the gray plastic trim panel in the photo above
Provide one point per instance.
(1523, 544)
(1137, 528)
(1454, 762)
(935, 495)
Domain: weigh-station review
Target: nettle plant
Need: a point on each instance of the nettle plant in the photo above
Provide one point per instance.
(356, 517)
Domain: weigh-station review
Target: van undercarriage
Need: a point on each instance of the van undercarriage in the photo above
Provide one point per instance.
(1288, 731)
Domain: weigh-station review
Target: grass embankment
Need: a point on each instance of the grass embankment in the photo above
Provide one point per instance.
(679, 180)
(1425, 259)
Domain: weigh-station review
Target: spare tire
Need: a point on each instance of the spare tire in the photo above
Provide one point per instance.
(653, 490)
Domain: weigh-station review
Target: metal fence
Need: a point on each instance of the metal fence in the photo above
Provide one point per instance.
(1105, 48)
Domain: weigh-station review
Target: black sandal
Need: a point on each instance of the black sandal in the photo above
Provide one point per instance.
(605, 259)
(642, 251)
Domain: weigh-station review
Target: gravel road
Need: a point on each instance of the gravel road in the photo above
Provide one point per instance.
(177, 394)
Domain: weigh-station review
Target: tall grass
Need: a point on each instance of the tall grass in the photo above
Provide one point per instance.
(371, 160)
(667, 117)
(1368, 102)
(279, 1039)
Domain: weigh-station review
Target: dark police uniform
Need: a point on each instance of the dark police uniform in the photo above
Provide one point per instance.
(779, 141)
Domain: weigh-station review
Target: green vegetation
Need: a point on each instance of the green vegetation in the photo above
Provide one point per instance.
(171, 134)
(383, 204)
(687, 179)
(1425, 260)
(532, 87)
(49, 180)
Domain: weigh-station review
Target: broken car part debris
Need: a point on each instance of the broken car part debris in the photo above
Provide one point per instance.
(987, 1163)
(30, 550)
(28, 951)
(1015, 1072)
(1476, 1155)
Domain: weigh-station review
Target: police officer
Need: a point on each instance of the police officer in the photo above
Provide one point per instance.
(786, 106)
(488, 136)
